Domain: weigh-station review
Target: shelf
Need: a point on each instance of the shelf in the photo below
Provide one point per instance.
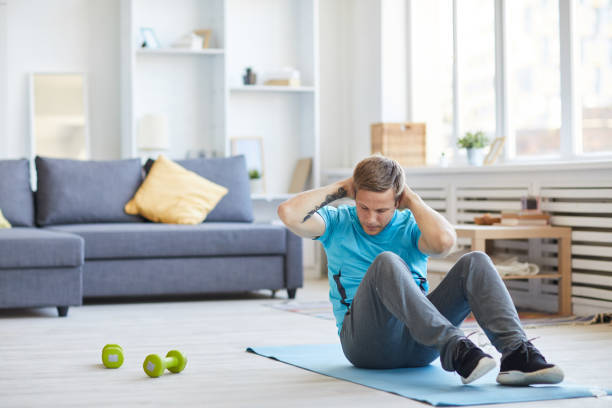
(271, 88)
(443, 266)
(550, 166)
(210, 103)
(179, 51)
(271, 197)
(536, 276)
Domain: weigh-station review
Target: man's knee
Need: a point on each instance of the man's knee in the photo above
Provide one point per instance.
(477, 262)
(389, 266)
(476, 257)
(387, 257)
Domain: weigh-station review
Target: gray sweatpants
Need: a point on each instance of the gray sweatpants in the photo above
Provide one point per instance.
(392, 323)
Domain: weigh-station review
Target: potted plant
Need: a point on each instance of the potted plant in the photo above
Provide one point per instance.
(255, 181)
(474, 143)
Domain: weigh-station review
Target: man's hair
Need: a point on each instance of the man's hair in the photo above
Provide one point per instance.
(379, 173)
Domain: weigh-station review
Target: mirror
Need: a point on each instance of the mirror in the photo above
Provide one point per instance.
(59, 122)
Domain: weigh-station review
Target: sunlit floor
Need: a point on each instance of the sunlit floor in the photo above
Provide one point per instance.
(51, 361)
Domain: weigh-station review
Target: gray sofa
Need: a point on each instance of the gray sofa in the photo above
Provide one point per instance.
(72, 240)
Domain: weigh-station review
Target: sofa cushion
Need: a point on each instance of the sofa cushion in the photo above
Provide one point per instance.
(23, 247)
(76, 191)
(16, 198)
(150, 240)
(175, 195)
(230, 172)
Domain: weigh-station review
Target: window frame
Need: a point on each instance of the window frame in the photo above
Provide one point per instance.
(571, 143)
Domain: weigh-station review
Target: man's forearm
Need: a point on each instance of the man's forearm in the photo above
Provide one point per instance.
(301, 207)
(311, 198)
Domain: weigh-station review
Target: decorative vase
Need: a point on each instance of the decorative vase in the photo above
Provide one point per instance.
(256, 186)
(475, 156)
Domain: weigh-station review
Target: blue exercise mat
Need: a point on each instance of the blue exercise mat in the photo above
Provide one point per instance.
(429, 384)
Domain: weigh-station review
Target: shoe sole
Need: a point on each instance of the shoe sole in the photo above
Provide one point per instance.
(552, 375)
(485, 365)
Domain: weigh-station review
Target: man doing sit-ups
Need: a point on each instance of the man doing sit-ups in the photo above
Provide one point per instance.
(377, 253)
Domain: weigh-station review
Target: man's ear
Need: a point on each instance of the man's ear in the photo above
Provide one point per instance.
(398, 199)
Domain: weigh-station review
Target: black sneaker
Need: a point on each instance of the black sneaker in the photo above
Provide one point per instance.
(470, 362)
(526, 366)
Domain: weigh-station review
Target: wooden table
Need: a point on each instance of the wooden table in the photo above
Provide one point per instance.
(480, 233)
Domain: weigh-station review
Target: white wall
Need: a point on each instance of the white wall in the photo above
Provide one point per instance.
(3, 83)
(393, 57)
(366, 83)
(335, 83)
(103, 76)
(64, 36)
(363, 74)
(350, 79)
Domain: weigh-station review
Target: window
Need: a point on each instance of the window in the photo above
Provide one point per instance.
(506, 77)
(432, 84)
(534, 92)
(594, 25)
(476, 66)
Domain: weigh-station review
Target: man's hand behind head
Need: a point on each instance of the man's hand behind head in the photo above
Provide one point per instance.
(406, 198)
(349, 186)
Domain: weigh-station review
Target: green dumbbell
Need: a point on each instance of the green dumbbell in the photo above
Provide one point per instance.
(112, 356)
(154, 365)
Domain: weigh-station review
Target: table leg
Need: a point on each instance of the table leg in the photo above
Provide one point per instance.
(565, 269)
(478, 244)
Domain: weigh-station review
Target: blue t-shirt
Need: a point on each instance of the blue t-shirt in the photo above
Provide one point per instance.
(350, 252)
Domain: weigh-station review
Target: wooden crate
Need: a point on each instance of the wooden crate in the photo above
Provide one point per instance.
(404, 142)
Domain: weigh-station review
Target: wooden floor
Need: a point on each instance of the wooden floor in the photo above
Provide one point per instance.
(48, 361)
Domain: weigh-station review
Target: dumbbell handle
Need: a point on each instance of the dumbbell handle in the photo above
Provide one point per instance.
(170, 361)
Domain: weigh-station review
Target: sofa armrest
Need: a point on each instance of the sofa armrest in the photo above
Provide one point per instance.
(294, 268)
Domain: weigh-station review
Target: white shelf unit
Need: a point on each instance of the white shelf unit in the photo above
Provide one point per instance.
(179, 51)
(202, 93)
(272, 197)
(188, 86)
(271, 88)
(267, 35)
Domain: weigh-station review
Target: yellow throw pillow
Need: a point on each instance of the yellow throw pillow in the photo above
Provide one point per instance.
(174, 195)
(4, 222)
